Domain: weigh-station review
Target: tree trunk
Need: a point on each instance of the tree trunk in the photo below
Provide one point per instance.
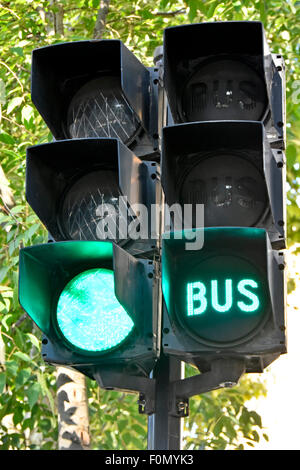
(54, 20)
(58, 18)
(73, 419)
(101, 19)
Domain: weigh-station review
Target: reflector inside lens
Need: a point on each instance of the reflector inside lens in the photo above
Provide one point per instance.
(231, 198)
(224, 89)
(99, 109)
(88, 313)
(90, 209)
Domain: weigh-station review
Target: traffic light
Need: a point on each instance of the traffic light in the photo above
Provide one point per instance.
(85, 89)
(222, 154)
(224, 71)
(92, 289)
(87, 189)
(225, 300)
(230, 168)
(94, 303)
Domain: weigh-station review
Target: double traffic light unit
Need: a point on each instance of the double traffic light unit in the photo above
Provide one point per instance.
(203, 130)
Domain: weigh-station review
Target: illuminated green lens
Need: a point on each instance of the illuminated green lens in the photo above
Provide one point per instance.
(222, 299)
(89, 314)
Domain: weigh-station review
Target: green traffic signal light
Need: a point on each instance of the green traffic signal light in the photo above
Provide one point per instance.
(93, 302)
(89, 316)
(226, 298)
(222, 297)
(201, 296)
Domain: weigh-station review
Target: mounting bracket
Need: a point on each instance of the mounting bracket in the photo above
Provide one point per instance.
(223, 373)
(110, 380)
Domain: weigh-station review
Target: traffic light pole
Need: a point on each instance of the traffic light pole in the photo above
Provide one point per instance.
(172, 393)
(164, 429)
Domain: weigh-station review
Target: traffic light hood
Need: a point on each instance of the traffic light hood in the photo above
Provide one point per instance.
(223, 71)
(60, 71)
(230, 168)
(69, 181)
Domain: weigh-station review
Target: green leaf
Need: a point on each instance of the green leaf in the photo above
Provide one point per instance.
(138, 443)
(2, 381)
(22, 377)
(33, 340)
(17, 50)
(45, 391)
(192, 10)
(291, 154)
(127, 437)
(218, 426)
(31, 231)
(256, 418)
(13, 104)
(138, 429)
(22, 356)
(7, 139)
(17, 209)
(291, 285)
(122, 424)
(263, 11)
(27, 112)
(255, 436)
(12, 368)
(18, 415)
(33, 394)
(211, 9)
(163, 4)
(6, 320)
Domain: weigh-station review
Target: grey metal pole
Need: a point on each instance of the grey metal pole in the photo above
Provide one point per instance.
(165, 431)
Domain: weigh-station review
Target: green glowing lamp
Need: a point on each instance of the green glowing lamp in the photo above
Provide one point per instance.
(93, 303)
(89, 315)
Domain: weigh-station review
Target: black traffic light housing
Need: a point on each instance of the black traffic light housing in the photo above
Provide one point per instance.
(252, 332)
(230, 168)
(69, 181)
(45, 270)
(224, 71)
(92, 75)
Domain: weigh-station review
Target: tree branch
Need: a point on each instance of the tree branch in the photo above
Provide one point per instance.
(101, 19)
(168, 14)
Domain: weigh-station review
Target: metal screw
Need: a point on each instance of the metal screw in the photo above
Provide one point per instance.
(228, 384)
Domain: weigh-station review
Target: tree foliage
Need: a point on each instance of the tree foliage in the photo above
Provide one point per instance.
(27, 404)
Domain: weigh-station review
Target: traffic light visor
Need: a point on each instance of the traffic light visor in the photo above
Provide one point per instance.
(215, 71)
(86, 89)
